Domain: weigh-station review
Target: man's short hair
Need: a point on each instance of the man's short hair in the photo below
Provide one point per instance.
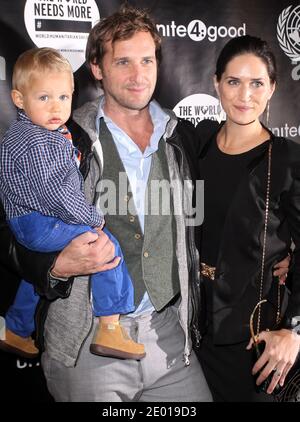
(119, 26)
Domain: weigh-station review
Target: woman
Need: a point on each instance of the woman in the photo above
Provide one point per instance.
(233, 160)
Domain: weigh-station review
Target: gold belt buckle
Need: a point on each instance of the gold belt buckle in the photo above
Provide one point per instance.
(207, 271)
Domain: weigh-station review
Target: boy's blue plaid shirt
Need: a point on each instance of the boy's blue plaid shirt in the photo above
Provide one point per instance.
(39, 172)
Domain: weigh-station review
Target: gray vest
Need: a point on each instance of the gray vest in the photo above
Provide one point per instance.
(150, 258)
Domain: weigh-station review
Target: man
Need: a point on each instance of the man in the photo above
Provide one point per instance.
(125, 134)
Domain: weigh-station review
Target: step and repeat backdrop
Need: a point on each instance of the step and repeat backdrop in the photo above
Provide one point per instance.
(193, 32)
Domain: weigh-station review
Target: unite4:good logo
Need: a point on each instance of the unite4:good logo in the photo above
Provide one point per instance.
(197, 30)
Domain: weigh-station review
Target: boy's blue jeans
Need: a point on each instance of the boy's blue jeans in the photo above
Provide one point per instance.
(112, 290)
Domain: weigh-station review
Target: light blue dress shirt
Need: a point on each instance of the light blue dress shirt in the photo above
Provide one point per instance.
(137, 165)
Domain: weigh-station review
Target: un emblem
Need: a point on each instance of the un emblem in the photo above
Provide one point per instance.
(288, 32)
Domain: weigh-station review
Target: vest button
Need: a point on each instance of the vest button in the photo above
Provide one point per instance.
(131, 219)
(146, 254)
(137, 236)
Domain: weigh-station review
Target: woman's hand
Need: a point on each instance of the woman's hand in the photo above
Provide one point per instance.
(88, 253)
(280, 353)
(281, 269)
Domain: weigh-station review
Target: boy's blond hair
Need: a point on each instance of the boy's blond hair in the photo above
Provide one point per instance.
(35, 61)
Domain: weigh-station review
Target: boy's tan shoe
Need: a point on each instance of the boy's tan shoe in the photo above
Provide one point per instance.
(21, 346)
(112, 340)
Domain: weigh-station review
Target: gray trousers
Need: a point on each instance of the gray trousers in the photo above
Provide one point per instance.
(160, 377)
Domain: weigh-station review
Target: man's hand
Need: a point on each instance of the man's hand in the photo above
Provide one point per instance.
(88, 253)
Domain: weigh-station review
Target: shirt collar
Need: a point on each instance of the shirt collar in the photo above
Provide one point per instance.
(21, 115)
(159, 119)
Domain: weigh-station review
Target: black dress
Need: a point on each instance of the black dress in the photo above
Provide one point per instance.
(221, 174)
